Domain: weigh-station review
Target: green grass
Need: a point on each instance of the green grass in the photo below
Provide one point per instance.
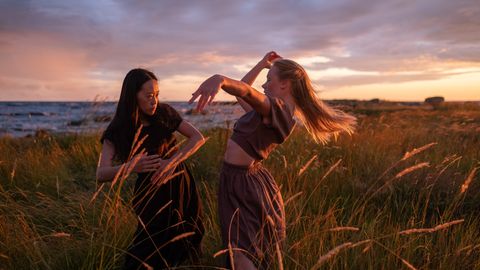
(49, 219)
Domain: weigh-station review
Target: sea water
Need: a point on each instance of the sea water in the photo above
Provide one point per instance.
(19, 119)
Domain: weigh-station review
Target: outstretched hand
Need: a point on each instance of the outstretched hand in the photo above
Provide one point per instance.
(207, 91)
(269, 58)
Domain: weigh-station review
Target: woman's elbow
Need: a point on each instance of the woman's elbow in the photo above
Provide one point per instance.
(100, 175)
(200, 139)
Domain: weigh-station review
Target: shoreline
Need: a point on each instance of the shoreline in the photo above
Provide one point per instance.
(91, 119)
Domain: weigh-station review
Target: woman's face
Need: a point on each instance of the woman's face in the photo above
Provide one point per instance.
(147, 97)
(272, 86)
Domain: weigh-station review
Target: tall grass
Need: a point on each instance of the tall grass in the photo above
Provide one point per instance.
(370, 201)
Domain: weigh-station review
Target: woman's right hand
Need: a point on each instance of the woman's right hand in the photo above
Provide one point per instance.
(145, 163)
(268, 59)
(207, 91)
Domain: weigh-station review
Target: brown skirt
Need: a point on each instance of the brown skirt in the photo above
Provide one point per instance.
(251, 210)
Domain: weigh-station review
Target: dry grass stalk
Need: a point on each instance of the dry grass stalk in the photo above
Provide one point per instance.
(120, 172)
(129, 166)
(12, 174)
(136, 144)
(97, 192)
(367, 248)
(293, 197)
(361, 243)
(223, 251)
(163, 207)
(147, 266)
(468, 249)
(230, 248)
(333, 167)
(162, 175)
(332, 253)
(163, 178)
(180, 236)
(295, 245)
(467, 182)
(412, 168)
(305, 167)
(430, 230)
(330, 170)
(279, 256)
(60, 234)
(409, 265)
(270, 220)
(415, 151)
(339, 229)
(230, 254)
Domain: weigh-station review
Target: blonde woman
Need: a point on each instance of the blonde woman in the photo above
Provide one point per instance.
(250, 205)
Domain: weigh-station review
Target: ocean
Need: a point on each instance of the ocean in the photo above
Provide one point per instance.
(20, 119)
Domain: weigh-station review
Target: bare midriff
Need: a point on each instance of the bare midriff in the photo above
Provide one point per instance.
(235, 155)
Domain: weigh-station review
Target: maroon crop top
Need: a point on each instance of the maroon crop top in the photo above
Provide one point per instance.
(258, 139)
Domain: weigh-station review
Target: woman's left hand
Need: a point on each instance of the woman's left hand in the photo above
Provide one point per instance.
(207, 91)
(268, 59)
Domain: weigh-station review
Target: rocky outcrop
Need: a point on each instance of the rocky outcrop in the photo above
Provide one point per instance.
(436, 102)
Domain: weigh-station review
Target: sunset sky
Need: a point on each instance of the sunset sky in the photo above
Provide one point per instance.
(401, 50)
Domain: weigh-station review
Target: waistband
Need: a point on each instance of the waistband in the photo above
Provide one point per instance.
(241, 168)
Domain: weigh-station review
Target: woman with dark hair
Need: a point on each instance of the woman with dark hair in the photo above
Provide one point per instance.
(251, 211)
(165, 198)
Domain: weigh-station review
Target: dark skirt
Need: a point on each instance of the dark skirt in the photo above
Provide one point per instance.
(164, 213)
(251, 210)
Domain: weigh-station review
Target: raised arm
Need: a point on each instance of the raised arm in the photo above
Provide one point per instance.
(210, 88)
(195, 141)
(250, 77)
(240, 89)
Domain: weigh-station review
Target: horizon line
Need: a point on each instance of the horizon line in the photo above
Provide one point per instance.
(219, 101)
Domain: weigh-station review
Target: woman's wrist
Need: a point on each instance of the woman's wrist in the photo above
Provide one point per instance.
(173, 159)
(262, 64)
(220, 79)
(129, 166)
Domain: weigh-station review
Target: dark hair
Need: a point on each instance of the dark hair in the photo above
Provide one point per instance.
(122, 128)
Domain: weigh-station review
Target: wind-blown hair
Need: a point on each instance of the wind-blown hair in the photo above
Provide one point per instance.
(320, 120)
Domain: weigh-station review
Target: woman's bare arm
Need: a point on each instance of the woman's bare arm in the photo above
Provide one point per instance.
(106, 171)
(240, 89)
(210, 88)
(195, 141)
(252, 75)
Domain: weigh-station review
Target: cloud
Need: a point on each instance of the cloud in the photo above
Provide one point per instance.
(95, 42)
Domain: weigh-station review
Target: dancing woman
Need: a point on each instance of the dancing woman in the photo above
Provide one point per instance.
(250, 205)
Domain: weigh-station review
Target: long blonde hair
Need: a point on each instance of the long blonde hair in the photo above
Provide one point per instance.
(320, 120)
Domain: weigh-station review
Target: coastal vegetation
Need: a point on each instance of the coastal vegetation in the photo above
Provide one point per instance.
(402, 193)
